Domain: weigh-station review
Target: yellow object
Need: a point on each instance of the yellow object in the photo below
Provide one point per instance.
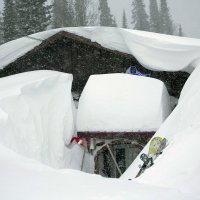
(154, 145)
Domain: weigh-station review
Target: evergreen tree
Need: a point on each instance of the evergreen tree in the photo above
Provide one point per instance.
(124, 20)
(92, 13)
(155, 23)
(139, 16)
(63, 13)
(180, 31)
(1, 29)
(114, 23)
(9, 21)
(32, 16)
(166, 21)
(80, 7)
(106, 19)
(70, 14)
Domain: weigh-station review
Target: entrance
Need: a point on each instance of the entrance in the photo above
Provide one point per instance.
(123, 152)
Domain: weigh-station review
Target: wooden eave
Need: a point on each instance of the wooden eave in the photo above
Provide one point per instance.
(141, 137)
(77, 39)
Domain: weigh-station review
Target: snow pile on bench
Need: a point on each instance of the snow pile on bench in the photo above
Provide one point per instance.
(122, 102)
(36, 115)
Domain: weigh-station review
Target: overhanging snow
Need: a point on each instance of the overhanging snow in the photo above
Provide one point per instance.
(154, 51)
(36, 115)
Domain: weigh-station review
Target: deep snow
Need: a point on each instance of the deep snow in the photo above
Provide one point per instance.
(22, 179)
(178, 167)
(122, 102)
(37, 115)
(153, 50)
(36, 119)
(40, 93)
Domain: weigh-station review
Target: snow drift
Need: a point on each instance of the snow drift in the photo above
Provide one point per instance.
(36, 115)
(36, 118)
(122, 102)
(22, 179)
(33, 126)
(178, 167)
(153, 50)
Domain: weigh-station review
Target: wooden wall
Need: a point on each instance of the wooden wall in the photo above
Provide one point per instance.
(79, 56)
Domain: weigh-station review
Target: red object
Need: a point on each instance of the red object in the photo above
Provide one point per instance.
(79, 141)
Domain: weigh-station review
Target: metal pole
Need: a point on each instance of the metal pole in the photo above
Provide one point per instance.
(83, 160)
(114, 159)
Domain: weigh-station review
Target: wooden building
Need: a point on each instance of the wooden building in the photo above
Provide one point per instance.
(117, 116)
(82, 57)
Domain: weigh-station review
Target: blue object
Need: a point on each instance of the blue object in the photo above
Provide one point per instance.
(134, 71)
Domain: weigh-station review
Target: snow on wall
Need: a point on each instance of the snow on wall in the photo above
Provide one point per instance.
(36, 115)
(178, 167)
(153, 50)
(122, 102)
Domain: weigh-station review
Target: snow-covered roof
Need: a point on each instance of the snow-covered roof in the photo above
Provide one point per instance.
(122, 102)
(154, 51)
(36, 115)
(179, 165)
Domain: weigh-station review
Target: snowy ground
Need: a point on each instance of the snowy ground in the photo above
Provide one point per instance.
(34, 110)
(174, 176)
(23, 179)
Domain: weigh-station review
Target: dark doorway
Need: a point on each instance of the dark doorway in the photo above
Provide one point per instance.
(124, 154)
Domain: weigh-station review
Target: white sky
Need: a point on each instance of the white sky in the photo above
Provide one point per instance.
(184, 12)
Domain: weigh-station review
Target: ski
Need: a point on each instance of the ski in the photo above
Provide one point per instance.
(157, 144)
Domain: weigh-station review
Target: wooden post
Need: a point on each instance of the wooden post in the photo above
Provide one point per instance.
(114, 159)
(83, 160)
